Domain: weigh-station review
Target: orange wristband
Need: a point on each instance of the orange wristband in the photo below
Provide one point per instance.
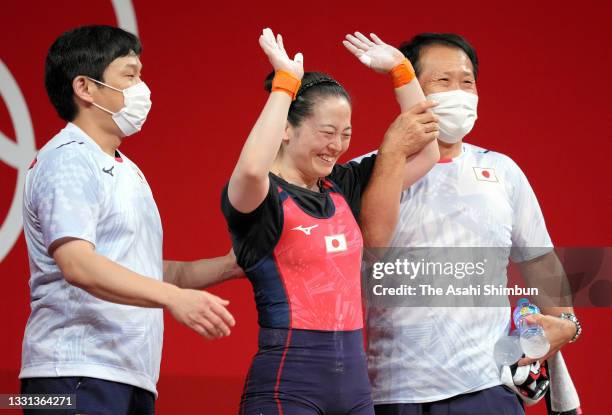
(286, 82)
(402, 74)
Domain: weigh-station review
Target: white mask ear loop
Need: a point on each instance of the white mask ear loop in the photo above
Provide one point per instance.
(103, 109)
(111, 87)
(136, 105)
(106, 85)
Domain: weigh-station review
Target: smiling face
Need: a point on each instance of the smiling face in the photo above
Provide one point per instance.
(312, 148)
(445, 68)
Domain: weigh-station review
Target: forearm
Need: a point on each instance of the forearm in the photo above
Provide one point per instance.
(546, 273)
(200, 274)
(420, 163)
(409, 95)
(112, 282)
(381, 200)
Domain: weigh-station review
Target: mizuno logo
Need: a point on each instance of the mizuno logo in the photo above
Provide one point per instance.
(109, 171)
(305, 230)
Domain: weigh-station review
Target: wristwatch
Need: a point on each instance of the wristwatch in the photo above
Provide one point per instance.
(573, 319)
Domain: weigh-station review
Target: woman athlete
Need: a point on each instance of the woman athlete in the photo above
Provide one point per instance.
(292, 215)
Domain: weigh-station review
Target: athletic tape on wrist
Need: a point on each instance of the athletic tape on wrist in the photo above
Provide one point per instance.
(402, 74)
(286, 82)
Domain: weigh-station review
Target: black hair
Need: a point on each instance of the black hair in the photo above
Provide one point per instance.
(413, 48)
(315, 85)
(87, 51)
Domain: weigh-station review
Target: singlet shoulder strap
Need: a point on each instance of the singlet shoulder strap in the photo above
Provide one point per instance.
(282, 193)
(330, 186)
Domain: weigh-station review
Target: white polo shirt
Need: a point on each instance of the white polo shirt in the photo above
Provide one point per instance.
(479, 199)
(74, 189)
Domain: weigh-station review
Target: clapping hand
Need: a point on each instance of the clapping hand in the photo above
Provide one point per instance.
(373, 53)
(274, 48)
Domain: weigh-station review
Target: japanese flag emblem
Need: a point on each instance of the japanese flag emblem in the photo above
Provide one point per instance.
(485, 174)
(335, 243)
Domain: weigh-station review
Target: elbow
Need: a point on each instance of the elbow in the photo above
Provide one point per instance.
(249, 174)
(377, 239)
(74, 275)
(433, 154)
(376, 242)
(74, 258)
(427, 159)
(73, 271)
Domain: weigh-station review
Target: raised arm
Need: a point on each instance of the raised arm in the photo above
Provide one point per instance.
(249, 183)
(384, 58)
(409, 149)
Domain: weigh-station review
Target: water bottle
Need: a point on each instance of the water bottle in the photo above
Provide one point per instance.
(507, 350)
(533, 340)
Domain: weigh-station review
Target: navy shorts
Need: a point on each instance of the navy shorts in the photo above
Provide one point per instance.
(93, 396)
(306, 372)
(497, 400)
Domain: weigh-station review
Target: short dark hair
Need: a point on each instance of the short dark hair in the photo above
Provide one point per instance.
(87, 51)
(315, 85)
(413, 48)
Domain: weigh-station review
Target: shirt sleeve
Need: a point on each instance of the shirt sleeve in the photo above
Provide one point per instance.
(254, 234)
(66, 197)
(530, 239)
(352, 179)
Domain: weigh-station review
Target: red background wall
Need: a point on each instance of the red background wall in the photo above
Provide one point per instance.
(544, 100)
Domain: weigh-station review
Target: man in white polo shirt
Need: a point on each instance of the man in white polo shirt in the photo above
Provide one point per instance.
(439, 360)
(98, 281)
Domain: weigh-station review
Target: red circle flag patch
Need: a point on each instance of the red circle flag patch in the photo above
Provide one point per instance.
(485, 174)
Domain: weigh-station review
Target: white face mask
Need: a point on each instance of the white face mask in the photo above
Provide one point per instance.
(456, 114)
(136, 106)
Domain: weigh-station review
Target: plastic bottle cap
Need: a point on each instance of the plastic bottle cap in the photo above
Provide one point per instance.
(522, 302)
